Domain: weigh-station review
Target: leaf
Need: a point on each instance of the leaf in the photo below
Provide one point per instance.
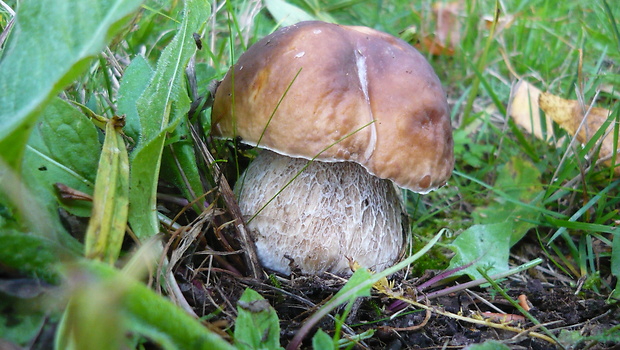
(615, 262)
(525, 111)
(286, 14)
(21, 326)
(501, 224)
(488, 345)
(257, 325)
(50, 44)
(569, 114)
(485, 245)
(470, 150)
(108, 222)
(446, 34)
(32, 255)
(180, 165)
(103, 295)
(322, 340)
(448, 29)
(160, 108)
(63, 148)
(519, 180)
(135, 80)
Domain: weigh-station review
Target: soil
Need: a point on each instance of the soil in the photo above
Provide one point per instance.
(559, 308)
(574, 314)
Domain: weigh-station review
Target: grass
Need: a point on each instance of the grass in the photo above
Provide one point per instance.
(531, 195)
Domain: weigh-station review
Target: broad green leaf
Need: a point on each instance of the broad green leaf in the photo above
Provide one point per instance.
(51, 43)
(257, 325)
(487, 246)
(351, 289)
(63, 148)
(23, 324)
(322, 340)
(286, 14)
(135, 80)
(108, 222)
(488, 345)
(160, 108)
(132, 306)
(32, 255)
(518, 179)
(501, 224)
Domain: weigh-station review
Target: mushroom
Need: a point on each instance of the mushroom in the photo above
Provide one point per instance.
(343, 113)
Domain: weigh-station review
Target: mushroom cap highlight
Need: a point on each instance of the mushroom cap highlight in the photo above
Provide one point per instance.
(336, 93)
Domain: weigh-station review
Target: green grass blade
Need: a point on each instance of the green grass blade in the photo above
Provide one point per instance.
(582, 211)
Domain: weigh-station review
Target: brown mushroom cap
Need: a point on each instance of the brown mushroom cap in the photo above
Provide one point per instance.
(354, 94)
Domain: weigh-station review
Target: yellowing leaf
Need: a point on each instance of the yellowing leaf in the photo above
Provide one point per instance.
(569, 114)
(108, 221)
(525, 111)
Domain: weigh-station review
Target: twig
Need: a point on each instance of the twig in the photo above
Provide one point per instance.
(480, 281)
(250, 256)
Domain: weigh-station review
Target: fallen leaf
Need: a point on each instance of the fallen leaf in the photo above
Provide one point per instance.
(446, 34)
(448, 31)
(525, 111)
(570, 116)
(431, 45)
(503, 22)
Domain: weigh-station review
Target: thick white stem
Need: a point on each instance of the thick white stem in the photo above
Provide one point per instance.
(331, 211)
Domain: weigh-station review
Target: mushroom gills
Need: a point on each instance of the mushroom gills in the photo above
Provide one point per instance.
(328, 213)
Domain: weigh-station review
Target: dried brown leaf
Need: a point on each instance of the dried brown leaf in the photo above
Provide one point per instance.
(525, 111)
(569, 114)
(448, 30)
(433, 46)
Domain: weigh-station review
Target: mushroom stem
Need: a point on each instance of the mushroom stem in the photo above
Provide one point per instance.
(330, 212)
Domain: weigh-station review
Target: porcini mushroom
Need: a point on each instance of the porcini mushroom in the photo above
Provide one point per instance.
(367, 110)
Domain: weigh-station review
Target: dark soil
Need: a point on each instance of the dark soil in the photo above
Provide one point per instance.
(557, 307)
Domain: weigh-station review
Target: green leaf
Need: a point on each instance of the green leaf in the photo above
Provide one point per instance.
(135, 80)
(107, 225)
(180, 165)
(322, 340)
(257, 325)
(519, 180)
(63, 148)
(160, 108)
(487, 246)
(286, 14)
(32, 255)
(488, 345)
(501, 224)
(51, 43)
(615, 262)
(22, 325)
(114, 304)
